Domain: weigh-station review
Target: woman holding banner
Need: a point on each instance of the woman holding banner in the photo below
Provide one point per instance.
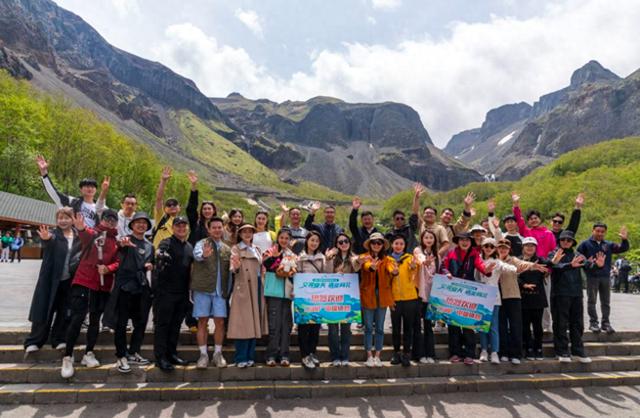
(376, 296)
(341, 260)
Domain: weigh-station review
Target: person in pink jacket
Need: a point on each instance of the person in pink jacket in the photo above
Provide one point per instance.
(546, 239)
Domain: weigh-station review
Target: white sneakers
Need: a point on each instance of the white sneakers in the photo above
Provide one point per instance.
(564, 359)
(122, 365)
(218, 359)
(345, 363)
(426, 360)
(484, 356)
(584, 360)
(31, 349)
(515, 361)
(336, 363)
(61, 346)
(89, 360)
(308, 363)
(242, 365)
(495, 359)
(67, 367)
(203, 361)
(504, 359)
(370, 362)
(377, 361)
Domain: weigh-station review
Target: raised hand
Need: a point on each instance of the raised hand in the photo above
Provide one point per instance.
(624, 234)
(496, 222)
(491, 206)
(44, 233)
(557, 256)
(489, 269)
(600, 259)
(578, 261)
(515, 199)
(356, 203)
(126, 242)
(418, 189)
(106, 183)
(43, 166)
(580, 201)
(284, 208)
(540, 267)
(193, 177)
(166, 173)
(468, 200)
(207, 249)
(331, 252)
(78, 221)
(313, 208)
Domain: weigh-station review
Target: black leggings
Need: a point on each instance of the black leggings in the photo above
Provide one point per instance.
(84, 300)
(405, 315)
(308, 336)
(532, 318)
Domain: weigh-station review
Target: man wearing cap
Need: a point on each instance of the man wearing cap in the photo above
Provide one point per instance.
(131, 294)
(91, 285)
(511, 225)
(566, 299)
(171, 289)
(164, 213)
(574, 223)
(596, 248)
(84, 205)
(462, 262)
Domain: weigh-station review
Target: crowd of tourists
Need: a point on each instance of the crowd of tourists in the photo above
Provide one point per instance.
(112, 268)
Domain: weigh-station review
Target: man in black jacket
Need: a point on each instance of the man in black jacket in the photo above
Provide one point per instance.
(131, 294)
(328, 230)
(557, 221)
(360, 234)
(566, 299)
(171, 289)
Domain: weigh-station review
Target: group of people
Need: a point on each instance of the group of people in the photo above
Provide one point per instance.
(12, 244)
(118, 266)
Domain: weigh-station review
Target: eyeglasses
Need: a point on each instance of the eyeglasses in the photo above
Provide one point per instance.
(557, 221)
(343, 241)
(376, 242)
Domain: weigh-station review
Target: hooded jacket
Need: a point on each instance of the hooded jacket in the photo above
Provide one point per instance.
(87, 273)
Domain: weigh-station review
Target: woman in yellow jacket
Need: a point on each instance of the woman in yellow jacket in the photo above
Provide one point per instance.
(405, 312)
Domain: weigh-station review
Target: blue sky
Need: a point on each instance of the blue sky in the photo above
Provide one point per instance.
(450, 60)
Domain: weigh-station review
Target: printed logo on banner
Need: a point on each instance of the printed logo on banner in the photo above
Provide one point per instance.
(462, 303)
(326, 298)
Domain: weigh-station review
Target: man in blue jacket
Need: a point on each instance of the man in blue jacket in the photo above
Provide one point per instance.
(598, 276)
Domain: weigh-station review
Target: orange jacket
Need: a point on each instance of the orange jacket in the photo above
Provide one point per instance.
(368, 283)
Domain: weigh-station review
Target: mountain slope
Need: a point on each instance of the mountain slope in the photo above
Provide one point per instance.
(368, 149)
(597, 105)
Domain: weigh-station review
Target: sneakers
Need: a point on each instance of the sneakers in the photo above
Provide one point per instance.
(395, 358)
(271, 362)
(426, 360)
(285, 362)
(137, 359)
(564, 359)
(484, 356)
(336, 363)
(530, 354)
(495, 359)
(455, 359)
(344, 363)
(308, 363)
(504, 359)
(315, 359)
(67, 367)
(203, 361)
(61, 346)
(31, 349)
(431, 360)
(89, 360)
(608, 329)
(515, 361)
(406, 360)
(123, 365)
(251, 363)
(468, 361)
(370, 362)
(539, 355)
(242, 365)
(594, 328)
(218, 360)
(377, 361)
(584, 359)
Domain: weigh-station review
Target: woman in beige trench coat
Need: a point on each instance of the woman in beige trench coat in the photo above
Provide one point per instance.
(247, 307)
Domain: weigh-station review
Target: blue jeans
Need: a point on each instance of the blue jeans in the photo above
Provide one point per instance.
(374, 317)
(493, 336)
(245, 350)
(339, 341)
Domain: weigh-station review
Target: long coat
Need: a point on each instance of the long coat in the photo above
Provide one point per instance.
(54, 255)
(247, 306)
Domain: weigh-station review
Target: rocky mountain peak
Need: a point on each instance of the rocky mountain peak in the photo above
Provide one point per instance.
(590, 73)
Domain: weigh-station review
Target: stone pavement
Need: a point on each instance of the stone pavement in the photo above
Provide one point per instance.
(17, 281)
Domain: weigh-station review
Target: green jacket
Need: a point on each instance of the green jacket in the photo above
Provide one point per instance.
(204, 274)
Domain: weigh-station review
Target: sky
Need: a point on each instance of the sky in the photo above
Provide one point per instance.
(451, 60)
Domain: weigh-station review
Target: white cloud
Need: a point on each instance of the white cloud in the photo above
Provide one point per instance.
(371, 20)
(251, 20)
(386, 4)
(125, 8)
(451, 82)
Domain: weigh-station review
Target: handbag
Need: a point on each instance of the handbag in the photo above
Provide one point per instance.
(276, 287)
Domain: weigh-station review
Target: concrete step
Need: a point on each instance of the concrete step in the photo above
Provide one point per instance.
(117, 392)
(17, 336)
(15, 353)
(50, 372)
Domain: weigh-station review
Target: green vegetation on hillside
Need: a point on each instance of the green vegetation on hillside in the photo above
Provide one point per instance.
(608, 173)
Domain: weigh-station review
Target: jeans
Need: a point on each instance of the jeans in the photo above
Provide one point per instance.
(374, 317)
(404, 317)
(245, 350)
(279, 314)
(597, 285)
(532, 318)
(339, 341)
(567, 312)
(511, 328)
(493, 336)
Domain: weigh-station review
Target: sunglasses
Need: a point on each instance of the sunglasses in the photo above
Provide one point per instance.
(171, 205)
(376, 242)
(566, 239)
(557, 221)
(343, 241)
(399, 218)
(488, 246)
